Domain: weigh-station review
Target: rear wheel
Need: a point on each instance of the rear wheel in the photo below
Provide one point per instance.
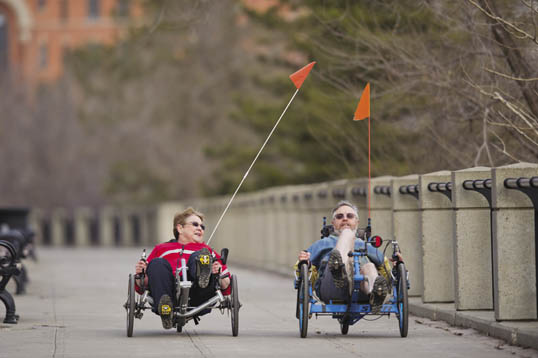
(130, 305)
(344, 326)
(403, 311)
(234, 310)
(303, 299)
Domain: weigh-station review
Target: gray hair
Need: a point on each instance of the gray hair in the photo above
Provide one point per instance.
(345, 203)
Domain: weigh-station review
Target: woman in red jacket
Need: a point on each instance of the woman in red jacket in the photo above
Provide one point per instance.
(204, 266)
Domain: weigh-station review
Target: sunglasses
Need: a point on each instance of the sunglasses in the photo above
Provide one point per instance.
(340, 216)
(196, 224)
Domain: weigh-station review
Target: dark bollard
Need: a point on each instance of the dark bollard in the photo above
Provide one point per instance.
(443, 188)
(382, 190)
(410, 190)
(359, 191)
(9, 266)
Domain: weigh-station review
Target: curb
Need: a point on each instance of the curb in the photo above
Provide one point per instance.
(524, 337)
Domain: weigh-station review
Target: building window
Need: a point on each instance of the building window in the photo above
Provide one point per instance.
(93, 8)
(43, 56)
(41, 4)
(64, 10)
(4, 48)
(124, 8)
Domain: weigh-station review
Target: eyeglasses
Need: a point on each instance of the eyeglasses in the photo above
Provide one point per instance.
(196, 224)
(340, 216)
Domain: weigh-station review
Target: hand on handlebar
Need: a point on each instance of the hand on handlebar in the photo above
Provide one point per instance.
(140, 266)
(216, 267)
(398, 258)
(304, 256)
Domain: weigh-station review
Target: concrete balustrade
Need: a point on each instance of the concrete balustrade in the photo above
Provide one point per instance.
(357, 193)
(57, 227)
(436, 235)
(514, 245)
(381, 207)
(455, 248)
(406, 228)
(473, 273)
(82, 217)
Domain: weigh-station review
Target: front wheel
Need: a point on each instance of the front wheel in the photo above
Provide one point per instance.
(403, 311)
(130, 305)
(303, 299)
(235, 306)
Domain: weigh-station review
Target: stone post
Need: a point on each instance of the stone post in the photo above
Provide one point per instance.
(437, 238)
(406, 228)
(381, 207)
(82, 217)
(473, 276)
(514, 245)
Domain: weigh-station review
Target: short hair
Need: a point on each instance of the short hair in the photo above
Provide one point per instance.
(345, 203)
(181, 218)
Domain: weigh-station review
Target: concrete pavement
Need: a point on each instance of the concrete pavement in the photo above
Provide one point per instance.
(73, 308)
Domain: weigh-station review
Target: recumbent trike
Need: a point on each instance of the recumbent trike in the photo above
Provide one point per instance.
(349, 313)
(183, 312)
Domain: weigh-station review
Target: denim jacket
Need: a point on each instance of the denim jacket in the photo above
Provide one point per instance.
(320, 250)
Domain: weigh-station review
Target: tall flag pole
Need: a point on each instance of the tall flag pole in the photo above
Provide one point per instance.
(363, 112)
(297, 78)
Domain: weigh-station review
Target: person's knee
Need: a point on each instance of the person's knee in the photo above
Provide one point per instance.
(158, 265)
(368, 268)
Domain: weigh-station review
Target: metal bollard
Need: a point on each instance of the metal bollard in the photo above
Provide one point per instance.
(409, 189)
(443, 188)
(382, 189)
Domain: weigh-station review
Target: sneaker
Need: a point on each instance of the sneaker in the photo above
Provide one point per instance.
(203, 267)
(166, 310)
(379, 292)
(338, 269)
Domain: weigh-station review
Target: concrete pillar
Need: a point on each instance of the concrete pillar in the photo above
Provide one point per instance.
(406, 229)
(473, 276)
(106, 230)
(272, 225)
(321, 204)
(381, 207)
(57, 224)
(164, 218)
(283, 234)
(35, 224)
(514, 245)
(357, 193)
(436, 236)
(81, 217)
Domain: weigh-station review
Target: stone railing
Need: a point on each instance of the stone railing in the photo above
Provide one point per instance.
(468, 236)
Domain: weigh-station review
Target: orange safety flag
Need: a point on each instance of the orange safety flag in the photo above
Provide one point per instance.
(298, 77)
(363, 109)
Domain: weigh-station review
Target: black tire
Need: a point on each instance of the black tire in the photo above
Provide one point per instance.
(179, 328)
(234, 310)
(344, 326)
(403, 305)
(303, 299)
(130, 305)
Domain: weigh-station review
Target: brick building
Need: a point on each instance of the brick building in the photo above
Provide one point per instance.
(34, 34)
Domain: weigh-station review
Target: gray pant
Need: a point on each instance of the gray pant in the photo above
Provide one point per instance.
(328, 291)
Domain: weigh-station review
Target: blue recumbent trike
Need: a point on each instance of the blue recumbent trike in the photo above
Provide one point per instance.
(349, 313)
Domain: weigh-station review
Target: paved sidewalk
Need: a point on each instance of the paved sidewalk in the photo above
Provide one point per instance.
(73, 308)
(521, 333)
